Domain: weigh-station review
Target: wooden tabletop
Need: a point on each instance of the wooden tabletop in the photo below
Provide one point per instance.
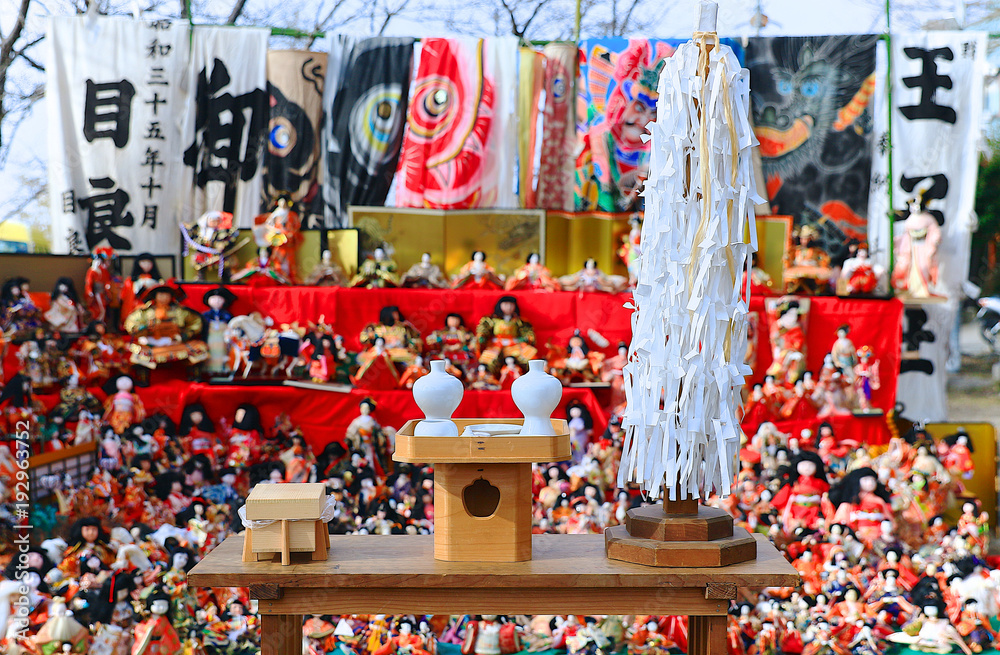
(568, 574)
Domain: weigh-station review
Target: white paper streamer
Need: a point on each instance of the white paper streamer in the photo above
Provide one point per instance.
(689, 331)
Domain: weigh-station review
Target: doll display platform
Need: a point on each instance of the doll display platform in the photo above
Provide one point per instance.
(482, 487)
(296, 510)
(568, 574)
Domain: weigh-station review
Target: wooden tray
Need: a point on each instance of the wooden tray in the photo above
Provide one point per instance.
(503, 449)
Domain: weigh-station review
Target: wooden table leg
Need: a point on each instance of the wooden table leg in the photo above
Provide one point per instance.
(286, 546)
(281, 634)
(707, 635)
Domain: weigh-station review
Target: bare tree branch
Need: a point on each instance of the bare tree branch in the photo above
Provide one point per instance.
(7, 45)
(235, 13)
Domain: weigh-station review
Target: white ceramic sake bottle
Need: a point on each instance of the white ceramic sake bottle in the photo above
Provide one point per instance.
(438, 395)
(537, 394)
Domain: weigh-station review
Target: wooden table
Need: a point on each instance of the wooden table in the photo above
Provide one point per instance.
(568, 574)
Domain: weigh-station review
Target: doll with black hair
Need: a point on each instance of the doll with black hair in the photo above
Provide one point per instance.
(452, 342)
(800, 498)
(144, 276)
(112, 612)
(332, 461)
(378, 271)
(533, 276)
(477, 274)
(505, 334)
(366, 435)
(180, 561)
(19, 315)
(170, 489)
(955, 452)
(156, 635)
(198, 472)
(65, 313)
(861, 502)
(197, 433)
(788, 341)
(86, 538)
(245, 437)
(401, 340)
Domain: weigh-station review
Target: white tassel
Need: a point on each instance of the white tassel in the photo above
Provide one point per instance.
(685, 368)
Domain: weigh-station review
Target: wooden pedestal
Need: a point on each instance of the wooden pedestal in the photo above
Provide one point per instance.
(679, 534)
(482, 488)
(295, 511)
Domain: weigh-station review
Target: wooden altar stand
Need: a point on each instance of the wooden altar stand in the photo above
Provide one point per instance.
(568, 574)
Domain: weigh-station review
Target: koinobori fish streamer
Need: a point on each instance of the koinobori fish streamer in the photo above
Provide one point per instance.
(689, 332)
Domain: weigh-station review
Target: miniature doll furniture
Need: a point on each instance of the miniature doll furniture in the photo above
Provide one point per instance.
(482, 487)
(296, 511)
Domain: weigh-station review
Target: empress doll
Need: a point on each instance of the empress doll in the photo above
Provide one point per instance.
(477, 274)
(590, 279)
(533, 275)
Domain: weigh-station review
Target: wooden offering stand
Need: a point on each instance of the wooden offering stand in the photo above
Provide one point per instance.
(679, 533)
(482, 487)
(296, 510)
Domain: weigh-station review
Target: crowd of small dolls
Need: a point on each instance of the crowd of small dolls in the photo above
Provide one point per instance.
(863, 526)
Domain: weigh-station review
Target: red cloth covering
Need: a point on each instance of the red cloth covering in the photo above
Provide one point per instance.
(876, 323)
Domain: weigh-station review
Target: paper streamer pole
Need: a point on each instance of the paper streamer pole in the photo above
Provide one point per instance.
(689, 332)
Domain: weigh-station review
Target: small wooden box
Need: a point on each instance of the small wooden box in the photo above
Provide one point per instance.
(482, 488)
(296, 510)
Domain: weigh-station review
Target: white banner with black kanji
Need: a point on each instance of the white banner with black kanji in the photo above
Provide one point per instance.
(117, 95)
(937, 101)
(226, 130)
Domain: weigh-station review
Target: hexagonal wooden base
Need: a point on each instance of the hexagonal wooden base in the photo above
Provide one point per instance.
(652, 522)
(620, 545)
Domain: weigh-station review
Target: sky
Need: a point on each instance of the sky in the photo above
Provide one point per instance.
(786, 17)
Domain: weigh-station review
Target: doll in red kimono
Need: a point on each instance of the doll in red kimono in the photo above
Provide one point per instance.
(124, 408)
(197, 432)
(156, 635)
(861, 502)
(488, 636)
(788, 341)
(244, 437)
(800, 499)
(957, 455)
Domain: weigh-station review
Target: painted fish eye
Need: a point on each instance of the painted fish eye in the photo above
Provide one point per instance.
(384, 109)
(436, 102)
(558, 88)
(810, 89)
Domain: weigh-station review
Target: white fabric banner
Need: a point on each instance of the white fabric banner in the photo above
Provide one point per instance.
(117, 93)
(227, 129)
(937, 98)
